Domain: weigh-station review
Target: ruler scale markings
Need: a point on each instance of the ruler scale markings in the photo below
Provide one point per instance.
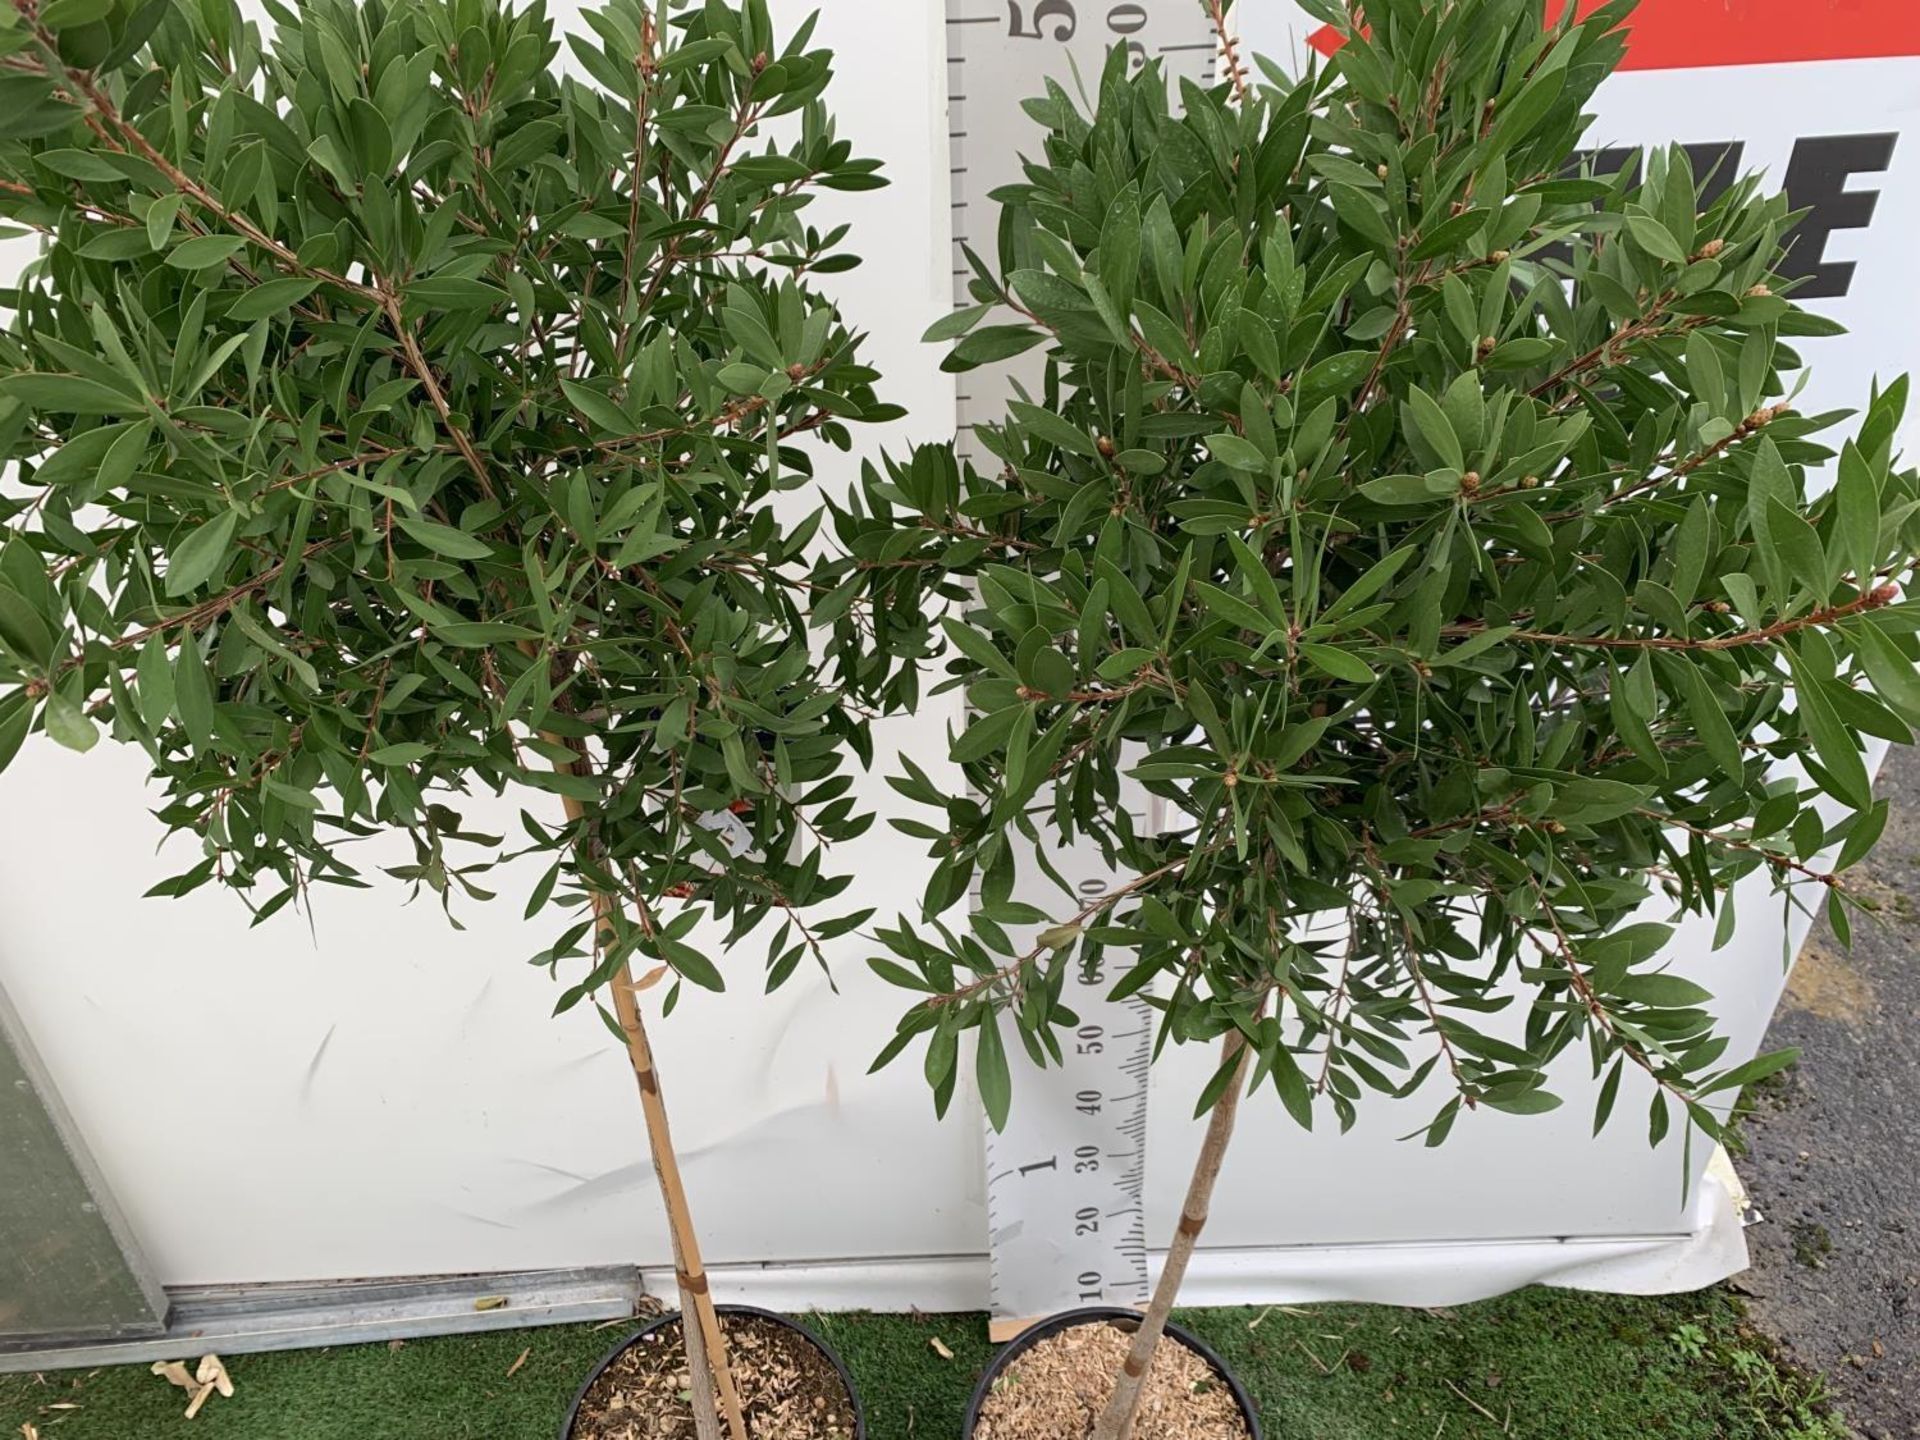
(1065, 1195)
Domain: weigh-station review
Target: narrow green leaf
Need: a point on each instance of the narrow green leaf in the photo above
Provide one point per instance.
(80, 165)
(202, 555)
(68, 724)
(445, 540)
(1523, 1102)
(1833, 742)
(411, 753)
(294, 795)
(1857, 533)
(1376, 579)
(1655, 239)
(1229, 606)
(1609, 1093)
(1895, 678)
(22, 630)
(693, 966)
(1800, 550)
(67, 394)
(1340, 664)
(483, 634)
(1754, 1070)
(270, 298)
(160, 218)
(1427, 420)
(992, 1074)
(204, 250)
(193, 695)
(1664, 992)
(16, 719)
(1363, 214)
(598, 408)
(1450, 234)
(989, 346)
(1710, 721)
(1238, 454)
(154, 671)
(988, 734)
(452, 292)
(1402, 490)
(1049, 428)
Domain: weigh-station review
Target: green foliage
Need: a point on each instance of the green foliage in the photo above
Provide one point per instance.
(397, 422)
(1429, 526)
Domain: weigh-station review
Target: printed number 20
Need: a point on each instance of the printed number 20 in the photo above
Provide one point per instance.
(1059, 10)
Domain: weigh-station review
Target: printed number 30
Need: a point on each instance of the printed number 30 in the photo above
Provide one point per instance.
(1045, 10)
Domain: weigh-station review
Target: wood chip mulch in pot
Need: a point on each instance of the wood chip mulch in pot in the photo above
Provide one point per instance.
(789, 1389)
(1055, 1391)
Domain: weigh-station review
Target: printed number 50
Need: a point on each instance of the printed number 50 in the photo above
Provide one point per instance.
(1059, 10)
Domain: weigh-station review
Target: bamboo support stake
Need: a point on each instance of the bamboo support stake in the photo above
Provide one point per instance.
(706, 1345)
(1116, 1421)
(708, 1372)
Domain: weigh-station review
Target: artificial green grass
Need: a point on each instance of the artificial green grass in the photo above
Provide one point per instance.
(1540, 1365)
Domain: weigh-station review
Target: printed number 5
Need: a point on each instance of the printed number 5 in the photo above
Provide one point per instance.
(1060, 10)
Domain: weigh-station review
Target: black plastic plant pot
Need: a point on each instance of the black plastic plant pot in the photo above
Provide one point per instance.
(673, 1317)
(1128, 1320)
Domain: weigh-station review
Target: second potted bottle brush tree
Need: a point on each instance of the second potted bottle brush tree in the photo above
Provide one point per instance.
(394, 423)
(1432, 531)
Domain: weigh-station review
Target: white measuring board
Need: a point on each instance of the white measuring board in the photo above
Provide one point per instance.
(1065, 1210)
(1066, 1179)
(1001, 53)
(1065, 1182)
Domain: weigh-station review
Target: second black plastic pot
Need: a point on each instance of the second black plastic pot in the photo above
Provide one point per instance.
(1102, 1315)
(673, 1317)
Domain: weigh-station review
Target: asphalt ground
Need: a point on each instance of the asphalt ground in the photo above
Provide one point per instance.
(1834, 1159)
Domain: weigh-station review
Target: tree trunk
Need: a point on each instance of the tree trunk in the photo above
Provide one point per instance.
(709, 1376)
(1116, 1421)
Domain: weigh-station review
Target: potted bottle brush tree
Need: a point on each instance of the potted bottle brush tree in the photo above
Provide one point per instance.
(1431, 528)
(395, 423)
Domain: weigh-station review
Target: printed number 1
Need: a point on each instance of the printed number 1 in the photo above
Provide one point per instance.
(1045, 10)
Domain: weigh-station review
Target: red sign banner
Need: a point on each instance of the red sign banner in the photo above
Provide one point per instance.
(1686, 34)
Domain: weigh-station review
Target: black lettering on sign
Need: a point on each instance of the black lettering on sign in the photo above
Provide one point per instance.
(1717, 161)
(1817, 182)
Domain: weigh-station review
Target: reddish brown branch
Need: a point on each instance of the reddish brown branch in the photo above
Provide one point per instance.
(1830, 615)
